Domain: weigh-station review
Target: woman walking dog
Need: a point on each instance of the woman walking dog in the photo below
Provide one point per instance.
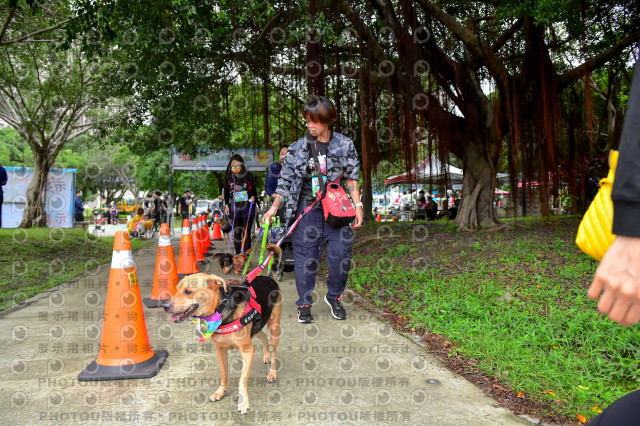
(240, 193)
(298, 185)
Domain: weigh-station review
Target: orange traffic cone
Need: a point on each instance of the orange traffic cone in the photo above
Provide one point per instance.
(207, 232)
(165, 277)
(125, 351)
(217, 233)
(186, 256)
(197, 246)
(203, 238)
(378, 218)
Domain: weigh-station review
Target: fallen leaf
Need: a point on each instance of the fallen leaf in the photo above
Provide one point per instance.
(520, 395)
(582, 418)
(596, 409)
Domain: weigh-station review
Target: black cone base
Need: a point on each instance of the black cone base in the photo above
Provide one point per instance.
(142, 370)
(181, 276)
(153, 303)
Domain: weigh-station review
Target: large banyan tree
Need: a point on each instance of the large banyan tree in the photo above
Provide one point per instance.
(499, 84)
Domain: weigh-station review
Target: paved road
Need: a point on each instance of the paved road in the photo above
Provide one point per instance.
(358, 371)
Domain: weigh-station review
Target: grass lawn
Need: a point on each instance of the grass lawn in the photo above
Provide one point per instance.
(510, 306)
(34, 260)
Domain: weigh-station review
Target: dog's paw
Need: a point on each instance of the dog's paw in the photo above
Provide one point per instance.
(271, 377)
(243, 402)
(217, 395)
(267, 358)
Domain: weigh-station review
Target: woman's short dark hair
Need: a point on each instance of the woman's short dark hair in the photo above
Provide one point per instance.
(320, 109)
(140, 211)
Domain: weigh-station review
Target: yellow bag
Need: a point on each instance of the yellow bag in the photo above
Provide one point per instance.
(594, 233)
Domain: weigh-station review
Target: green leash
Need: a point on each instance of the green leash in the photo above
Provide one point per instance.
(264, 227)
(276, 225)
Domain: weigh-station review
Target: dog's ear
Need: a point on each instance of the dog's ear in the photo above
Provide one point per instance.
(248, 252)
(214, 280)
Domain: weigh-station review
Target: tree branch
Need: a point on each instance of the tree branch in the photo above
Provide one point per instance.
(12, 11)
(365, 35)
(475, 45)
(507, 35)
(597, 61)
(33, 34)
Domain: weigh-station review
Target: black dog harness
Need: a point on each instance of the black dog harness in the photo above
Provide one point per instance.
(251, 313)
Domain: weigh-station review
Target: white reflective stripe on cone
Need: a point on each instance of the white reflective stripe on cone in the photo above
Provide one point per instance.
(185, 230)
(164, 240)
(122, 259)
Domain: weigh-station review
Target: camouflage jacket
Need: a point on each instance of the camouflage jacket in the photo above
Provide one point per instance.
(342, 162)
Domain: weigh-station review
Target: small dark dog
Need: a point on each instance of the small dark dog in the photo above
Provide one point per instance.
(237, 263)
(226, 261)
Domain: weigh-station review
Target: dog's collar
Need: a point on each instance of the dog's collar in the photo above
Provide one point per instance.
(223, 304)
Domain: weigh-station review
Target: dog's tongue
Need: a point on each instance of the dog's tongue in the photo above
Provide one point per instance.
(175, 317)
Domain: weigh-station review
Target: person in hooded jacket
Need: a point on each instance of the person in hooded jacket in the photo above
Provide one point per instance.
(271, 181)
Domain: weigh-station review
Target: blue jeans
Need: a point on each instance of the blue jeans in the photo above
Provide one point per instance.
(308, 240)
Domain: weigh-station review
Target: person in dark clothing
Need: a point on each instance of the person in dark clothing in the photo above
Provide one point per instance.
(183, 204)
(78, 207)
(617, 280)
(273, 172)
(299, 185)
(271, 181)
(432, 209)
(239, 192)
(146, 204)
(3, 181)
(158, 209)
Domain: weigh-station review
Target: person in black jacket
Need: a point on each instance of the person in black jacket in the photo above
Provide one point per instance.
(239, 192)
(617, 280)
(3, 181)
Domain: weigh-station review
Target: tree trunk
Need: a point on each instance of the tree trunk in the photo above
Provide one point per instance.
(478, 185)
(34, 214)
(314, 68)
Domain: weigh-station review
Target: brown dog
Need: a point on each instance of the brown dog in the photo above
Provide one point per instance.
(202, 295)
(225, 228)
(236, 264)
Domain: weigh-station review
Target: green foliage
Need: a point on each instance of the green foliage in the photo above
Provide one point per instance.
(546, 339)
(36, 260)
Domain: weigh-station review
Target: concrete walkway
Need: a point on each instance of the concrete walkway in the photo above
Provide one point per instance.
(358, 371)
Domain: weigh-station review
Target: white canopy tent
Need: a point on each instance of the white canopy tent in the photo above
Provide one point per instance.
(431, 170)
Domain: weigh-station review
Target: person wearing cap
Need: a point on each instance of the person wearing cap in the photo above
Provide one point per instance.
(183, 204)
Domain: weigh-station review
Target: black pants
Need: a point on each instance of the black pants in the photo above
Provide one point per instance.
(1, 201)
(79, 217)
(623, 412)
(237, 233)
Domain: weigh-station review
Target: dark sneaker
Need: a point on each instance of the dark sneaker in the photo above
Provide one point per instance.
(337, 310)
(304, 314)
